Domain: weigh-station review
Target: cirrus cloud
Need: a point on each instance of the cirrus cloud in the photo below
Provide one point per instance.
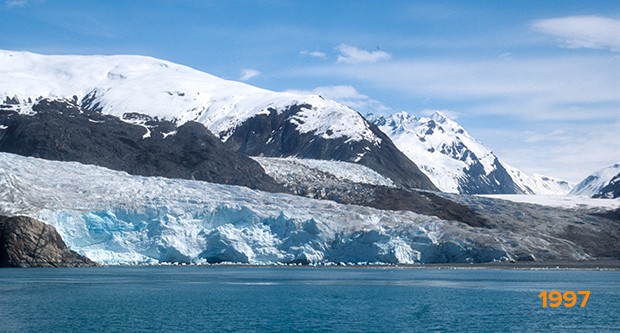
(21, 3)
(313, 54)
(592, 32)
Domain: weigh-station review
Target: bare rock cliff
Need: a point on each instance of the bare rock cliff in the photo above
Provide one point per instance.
(26, 242)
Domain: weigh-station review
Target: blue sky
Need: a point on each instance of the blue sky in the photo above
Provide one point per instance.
(536, 81)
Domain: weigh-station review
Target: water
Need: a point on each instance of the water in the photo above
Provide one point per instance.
(272, 299)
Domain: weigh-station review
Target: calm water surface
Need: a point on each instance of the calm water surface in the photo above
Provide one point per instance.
(272, 299)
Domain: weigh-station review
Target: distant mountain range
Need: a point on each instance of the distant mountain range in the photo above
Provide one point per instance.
(455, 161)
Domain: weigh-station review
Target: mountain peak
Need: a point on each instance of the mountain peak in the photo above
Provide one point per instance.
(604, 183)
(439, 117)
(120, 84)
(457, 162)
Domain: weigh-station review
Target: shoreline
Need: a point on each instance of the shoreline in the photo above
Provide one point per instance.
(594, 265)
(607, 264)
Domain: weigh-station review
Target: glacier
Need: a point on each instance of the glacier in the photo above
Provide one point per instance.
(115, 218)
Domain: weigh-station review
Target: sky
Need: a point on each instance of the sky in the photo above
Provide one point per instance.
(538, 82)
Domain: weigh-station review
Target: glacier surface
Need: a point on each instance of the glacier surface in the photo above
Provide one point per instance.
(115, 218)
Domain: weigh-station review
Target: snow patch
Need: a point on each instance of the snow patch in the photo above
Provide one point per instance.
(165, 135)
(560, 201)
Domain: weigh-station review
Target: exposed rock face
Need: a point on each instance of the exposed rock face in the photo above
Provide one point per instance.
(611, 190)
(455, 161)
(251, 120)
(26, 242)
(313, 183)
(274, 135)
(63, 131)
(604, 183)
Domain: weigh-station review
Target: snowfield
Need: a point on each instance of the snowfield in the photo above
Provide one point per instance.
(302, 170)
(122, 84)
(114, 218)
(561, 201)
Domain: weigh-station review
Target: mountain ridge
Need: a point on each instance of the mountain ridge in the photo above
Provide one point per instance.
(455, 161)
(63, 131)
(603, 183)
(233, 111)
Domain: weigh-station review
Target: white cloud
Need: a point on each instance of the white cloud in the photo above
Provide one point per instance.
(313, 54)
(567, 151)
(567, 108)
(592, 32)
(247, 74)
(352, 55)
(349, 96)
(21, 3)
(15, 3)
(566, 88)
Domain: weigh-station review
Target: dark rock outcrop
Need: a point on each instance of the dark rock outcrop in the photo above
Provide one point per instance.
(473, 178)
(309, 182)
(274, 135)
(26, 242)
(557, 231)
(497, 181)
(63, 131)
(611, 190)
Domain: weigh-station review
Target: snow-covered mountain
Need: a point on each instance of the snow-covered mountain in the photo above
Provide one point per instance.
(604, 183)
(538, 184)
(115, 218)
(250, 120)
(455, 161)
(63, 131)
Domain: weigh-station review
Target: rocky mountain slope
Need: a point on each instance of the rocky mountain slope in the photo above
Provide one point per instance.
(248, 119)
(455, 161)
(604, 183)
(112, 218)
(61, 130)
(26, 242)
(323, 180)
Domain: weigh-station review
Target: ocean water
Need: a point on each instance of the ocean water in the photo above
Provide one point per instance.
(286, 299)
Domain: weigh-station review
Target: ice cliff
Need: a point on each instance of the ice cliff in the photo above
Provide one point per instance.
(114, 218)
